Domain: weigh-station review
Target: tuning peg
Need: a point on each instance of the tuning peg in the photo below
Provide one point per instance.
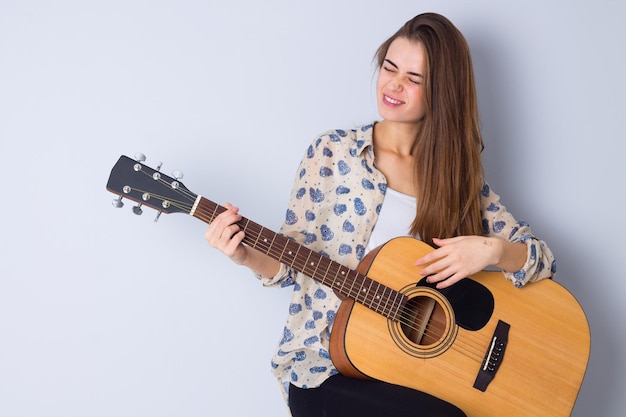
(138, 210)
(140, 157)
(178, 175)
(156, 219)
(117, 202)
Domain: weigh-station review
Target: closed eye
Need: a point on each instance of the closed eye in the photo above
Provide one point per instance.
(390, 66)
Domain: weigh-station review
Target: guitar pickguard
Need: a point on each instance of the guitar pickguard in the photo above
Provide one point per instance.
(471, 302)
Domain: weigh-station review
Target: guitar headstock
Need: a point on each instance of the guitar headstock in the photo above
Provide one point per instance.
(131, 179)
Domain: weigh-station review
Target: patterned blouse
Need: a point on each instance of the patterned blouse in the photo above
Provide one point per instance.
(335, 202)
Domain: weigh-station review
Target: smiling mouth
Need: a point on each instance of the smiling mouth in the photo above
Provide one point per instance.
(391, 100)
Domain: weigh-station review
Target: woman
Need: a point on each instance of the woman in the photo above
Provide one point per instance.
(416, 172)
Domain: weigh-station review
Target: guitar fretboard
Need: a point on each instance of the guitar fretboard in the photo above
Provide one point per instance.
(345, 281)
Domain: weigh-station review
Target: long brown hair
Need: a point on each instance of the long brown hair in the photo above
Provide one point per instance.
(447, 151)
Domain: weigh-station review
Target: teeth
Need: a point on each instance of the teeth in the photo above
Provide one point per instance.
(392, 101)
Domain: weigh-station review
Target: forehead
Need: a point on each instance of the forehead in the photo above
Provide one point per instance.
(406, 53)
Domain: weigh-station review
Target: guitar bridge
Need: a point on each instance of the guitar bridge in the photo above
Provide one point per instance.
(493, 357)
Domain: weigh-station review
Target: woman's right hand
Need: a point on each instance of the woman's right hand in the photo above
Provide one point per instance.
(225, 235)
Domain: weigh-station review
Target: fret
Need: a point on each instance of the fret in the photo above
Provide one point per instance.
(358, 289)
(386, 309)
(266, 244)
(256, 242)
(351, 290)
(271, 244)
(317, 265)
(289, 256)
(368, 294)
(295, 252)
(344, 280)
(332, 272)
(214, 211)
(397, 305)
(342, 271)
(296, 257)
(340, 279)
(246, 228)
(325, 275)
(389, 304)
(377, 297)
(282, 253)
(306, 264)
(371, 295)
(364, 290)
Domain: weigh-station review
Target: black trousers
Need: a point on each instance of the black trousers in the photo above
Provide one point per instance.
(340, 396)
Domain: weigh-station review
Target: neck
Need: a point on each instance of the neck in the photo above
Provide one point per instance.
(398, 138)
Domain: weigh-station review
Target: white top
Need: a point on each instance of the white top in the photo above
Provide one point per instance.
(395, 218)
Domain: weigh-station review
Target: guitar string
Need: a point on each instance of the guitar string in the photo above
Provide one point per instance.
(474, 347)
(179, 204)
(183, 192)
(268, 247)
(407, 317)
(268, 250)
(408, 323)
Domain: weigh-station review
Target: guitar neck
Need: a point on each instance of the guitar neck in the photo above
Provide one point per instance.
(344, 281)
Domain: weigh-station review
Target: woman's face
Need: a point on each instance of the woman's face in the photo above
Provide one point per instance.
(400, 87)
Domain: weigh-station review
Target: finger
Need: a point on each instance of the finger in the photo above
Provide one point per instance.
(217, 226)
(232, 208)
(437, 264)
(448, 276)
(226, 219)
(443, 242)
(441, 270)
(222, 229)
(230, 232)
(233, 244)
(439, 276)
(431, 257)
(449, 281)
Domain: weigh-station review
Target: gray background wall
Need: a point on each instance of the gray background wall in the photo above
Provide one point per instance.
(103, 313)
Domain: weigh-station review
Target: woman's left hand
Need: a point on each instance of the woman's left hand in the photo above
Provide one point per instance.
(459, 257)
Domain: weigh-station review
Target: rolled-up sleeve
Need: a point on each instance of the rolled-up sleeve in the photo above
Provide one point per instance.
(498, 222)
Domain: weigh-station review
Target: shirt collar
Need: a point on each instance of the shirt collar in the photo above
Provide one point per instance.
(365, 138)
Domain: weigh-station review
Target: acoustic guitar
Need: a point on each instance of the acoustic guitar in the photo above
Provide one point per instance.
(489, 348)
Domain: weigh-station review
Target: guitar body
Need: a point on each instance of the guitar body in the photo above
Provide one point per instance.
(540, 369)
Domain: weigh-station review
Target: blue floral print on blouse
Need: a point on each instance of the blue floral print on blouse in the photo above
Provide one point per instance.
(334, 213)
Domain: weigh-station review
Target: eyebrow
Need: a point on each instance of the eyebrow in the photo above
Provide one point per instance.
(416, 74)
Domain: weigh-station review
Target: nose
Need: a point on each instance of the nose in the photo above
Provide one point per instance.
(396, 84)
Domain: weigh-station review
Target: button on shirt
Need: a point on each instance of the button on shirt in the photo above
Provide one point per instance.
(336, 199)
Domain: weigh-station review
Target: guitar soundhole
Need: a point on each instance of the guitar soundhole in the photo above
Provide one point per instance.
(426, 327)
(423, 321)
